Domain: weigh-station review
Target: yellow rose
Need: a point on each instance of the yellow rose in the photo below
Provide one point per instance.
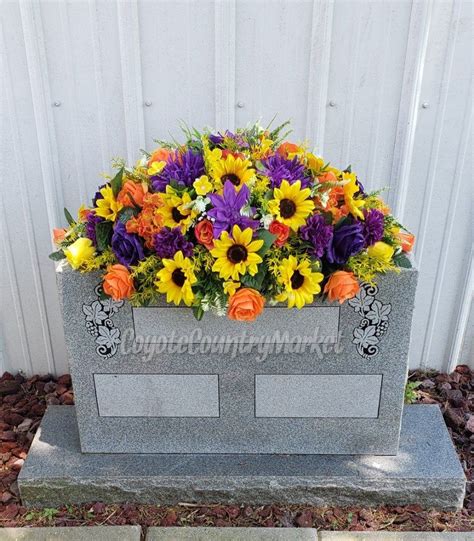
(382, 251)
(79, 252)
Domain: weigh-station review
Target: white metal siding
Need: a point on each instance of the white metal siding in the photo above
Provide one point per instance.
(352, 75)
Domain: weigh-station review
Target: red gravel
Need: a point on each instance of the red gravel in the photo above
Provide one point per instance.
(23, 403)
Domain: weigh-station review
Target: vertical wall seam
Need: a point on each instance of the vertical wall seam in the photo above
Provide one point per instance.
(72, 103)
(318, 79)
(349, 105)
(224, 62)
(433, 162)
(99, 85)
(48, 153)
(374, 138)
(130, 61)
(421, 15)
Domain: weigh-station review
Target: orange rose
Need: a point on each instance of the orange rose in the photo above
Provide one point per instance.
(58, 235)
(329, 176)
(132, 192)
(160, 155)
(286, 148)
(281, 231)
(245, 305)
(118, 283)
(205, 234)
(407, 241)
(341, 286)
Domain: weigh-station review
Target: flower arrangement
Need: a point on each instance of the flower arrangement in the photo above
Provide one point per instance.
(230, 221)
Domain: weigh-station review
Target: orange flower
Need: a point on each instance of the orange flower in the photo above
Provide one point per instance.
(226, 152)
(281, 231)
(118, 283)
(341, 286)
(245, 305)
(286, 148)
(132, 192)
(148, 222)
(407, 241)
(205, 234)
(59, 235)
(160, 155)
(329, 176)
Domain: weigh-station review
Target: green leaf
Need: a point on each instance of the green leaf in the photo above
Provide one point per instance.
(198, 312)
(126, 213)
(103, 233)
(255, 282)
(116, 182)
(401, 260)
(57, 256)
(69, 218)
(268, 239)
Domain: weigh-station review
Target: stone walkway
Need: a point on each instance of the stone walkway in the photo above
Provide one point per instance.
(133, 533)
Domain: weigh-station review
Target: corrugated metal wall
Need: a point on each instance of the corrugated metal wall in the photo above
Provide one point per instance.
(384, 86)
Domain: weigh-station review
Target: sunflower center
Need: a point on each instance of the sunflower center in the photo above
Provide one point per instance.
(177, 216)
(237, 253)
(287, 208)
(297, 280)
(178, 277)
(232, 178)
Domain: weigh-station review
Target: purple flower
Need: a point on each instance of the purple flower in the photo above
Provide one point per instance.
(92, 221)
(278, 168)
(127, 247)
(169, 241)
(184, 169)
(317, 233)
(98, 195)
(348, 240)
(217, 139)
(227, 207)
(373, 227)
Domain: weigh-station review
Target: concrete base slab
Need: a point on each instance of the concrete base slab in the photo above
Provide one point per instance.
(231, 534)
(425, 471)
(92, 533)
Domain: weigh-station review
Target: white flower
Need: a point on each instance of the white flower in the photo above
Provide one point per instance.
(200, 203)
(266, 220)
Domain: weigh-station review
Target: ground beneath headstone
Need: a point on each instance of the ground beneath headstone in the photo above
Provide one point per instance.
(23, 402)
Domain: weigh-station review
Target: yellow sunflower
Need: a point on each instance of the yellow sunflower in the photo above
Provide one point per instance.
(235, 170)
(236, 255)
(299, 281)
(290, 204)
(108, 207)
(350, 189)
(177, 209)
(176, 279)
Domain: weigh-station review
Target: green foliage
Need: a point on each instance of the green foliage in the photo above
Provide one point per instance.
(410, 391)
(57, 256)
(103, 233)
(69, 218)
(116, 182)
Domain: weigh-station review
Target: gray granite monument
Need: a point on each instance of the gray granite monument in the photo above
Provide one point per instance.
(299, 407)
(328, 378)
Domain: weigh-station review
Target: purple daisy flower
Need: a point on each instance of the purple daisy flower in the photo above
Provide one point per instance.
(92, 221)
(227, 207)
(127, 247)
(348, 240)
(317, 233)
(218, 138)
(278, 168)
(169, 241)
(184, 169)
(373, 226)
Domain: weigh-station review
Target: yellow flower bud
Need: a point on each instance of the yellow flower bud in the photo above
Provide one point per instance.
(381, 251)
(79, 252)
